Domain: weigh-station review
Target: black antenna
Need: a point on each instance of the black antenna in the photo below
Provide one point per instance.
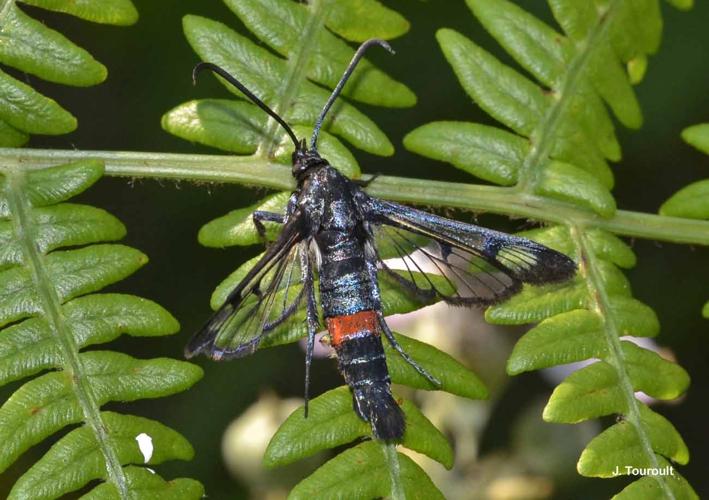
(236, 83)
(345, 76)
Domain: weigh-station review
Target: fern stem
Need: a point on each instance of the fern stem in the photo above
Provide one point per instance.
(297, 74)
(600, 303)
(263, 173)
(22, 225)
(543, 135)
(392, 459)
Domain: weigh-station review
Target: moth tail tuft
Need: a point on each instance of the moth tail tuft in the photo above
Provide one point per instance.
(377, 406)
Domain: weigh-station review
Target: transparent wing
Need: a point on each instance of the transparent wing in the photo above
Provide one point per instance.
(481, 265)
(269, 294)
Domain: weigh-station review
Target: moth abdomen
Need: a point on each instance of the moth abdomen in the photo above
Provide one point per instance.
(362, 362)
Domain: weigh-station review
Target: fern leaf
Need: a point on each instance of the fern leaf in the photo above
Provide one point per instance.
(453, 376)
(281, 24)
(560, 138)
(361, 472)
(30, 46)
(360, 20)
(691, 201)
(49, 314)
(116, 12)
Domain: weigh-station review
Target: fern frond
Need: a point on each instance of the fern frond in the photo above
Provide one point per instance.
(48, 314)
(560, 139)
(31, 47)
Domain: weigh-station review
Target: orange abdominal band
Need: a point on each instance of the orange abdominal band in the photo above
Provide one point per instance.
(343, 327)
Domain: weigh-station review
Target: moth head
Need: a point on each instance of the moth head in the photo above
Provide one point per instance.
(305, 159)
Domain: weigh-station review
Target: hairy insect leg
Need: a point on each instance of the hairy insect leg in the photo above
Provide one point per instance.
(397, 347)
(311, 317)
(372, 269)
(260, 216)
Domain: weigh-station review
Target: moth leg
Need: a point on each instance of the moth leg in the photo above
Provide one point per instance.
(260, 216)
(372, 269)
(392, 340)
(311, 317)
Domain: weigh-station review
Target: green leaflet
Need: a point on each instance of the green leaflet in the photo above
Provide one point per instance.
(591, 392)
(360, 20)
(145, 483)
(632, 317)
(53, 185)
(281, 24)
(620, 445)
(72, 273)
(652, 374)
(681, 4)
(117, 12)
(29, 111)
(11, 137)
(569, 183)
(362, 472)
(485, 152)
(331, 422)
(30, 46)
(636, 69)
(551, 342)
(454, 377)
(538, 303)
(45, 291)
(697, 136)
(649, 488)
(233, 126)
(237, 227)
(76, 458)
(264, 74)
(501, 91)
(534, 45)
(691, 201)
(60, 226)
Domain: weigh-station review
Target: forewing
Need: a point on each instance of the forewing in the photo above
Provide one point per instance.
(483, 266)
(268, 295)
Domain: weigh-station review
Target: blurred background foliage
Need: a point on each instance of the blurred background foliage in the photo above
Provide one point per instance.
(149, 73)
